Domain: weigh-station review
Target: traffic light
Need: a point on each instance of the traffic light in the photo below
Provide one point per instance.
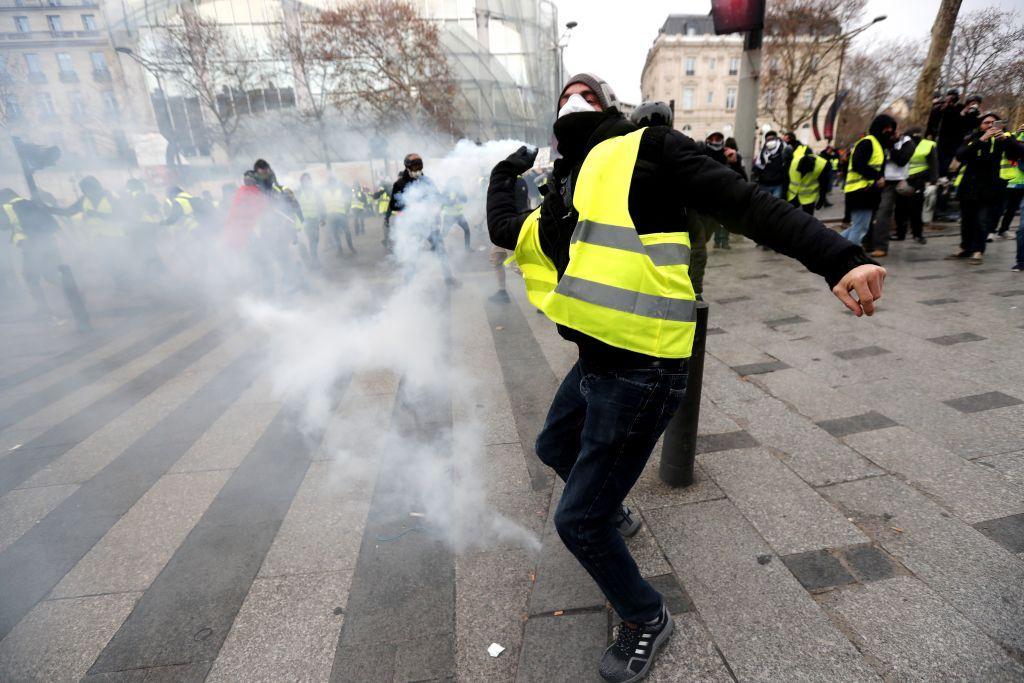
(737, 16)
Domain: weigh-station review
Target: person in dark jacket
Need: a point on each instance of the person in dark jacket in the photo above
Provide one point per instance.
(865, 179)
(614, 404)
(981, 189)
(425, 191)
(771, 167)
(33, 230)
(923, 171)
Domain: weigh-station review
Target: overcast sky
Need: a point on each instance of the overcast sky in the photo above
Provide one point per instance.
(612, 39)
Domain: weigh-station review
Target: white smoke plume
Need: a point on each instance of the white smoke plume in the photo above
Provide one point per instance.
(401, 327)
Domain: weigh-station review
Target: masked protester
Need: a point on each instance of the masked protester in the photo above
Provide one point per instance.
(605, 258)
(771, 167)
(895, 172)
(864, 176)
(412, 176)
(984, 156)
(922, 171)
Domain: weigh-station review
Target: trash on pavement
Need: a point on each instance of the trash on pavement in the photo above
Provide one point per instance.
(494, 649)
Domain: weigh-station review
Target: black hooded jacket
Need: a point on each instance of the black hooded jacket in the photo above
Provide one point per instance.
(869, 197)
(670, 177)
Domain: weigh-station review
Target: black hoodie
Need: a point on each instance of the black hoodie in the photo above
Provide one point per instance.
(869, 197)
(671, 175)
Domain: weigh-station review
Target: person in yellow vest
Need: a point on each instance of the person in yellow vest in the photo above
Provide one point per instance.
(864, 178)
(357, 208)
(922, 170)
(383, 197)
(453, 210)
(183, 212)
(33, 232)
(808, 182)
(982, 187)
(104, 227)
(336, 201)
(1013, 172)
(143, 219)
(605, 257)
(312, 205)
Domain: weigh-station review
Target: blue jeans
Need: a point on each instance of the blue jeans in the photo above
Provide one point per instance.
(1020, 236)
(773, 190)
(598, 435)
(860, 223)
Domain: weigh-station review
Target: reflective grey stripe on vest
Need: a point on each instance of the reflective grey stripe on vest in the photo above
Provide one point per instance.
(647, 305)
(627, 239)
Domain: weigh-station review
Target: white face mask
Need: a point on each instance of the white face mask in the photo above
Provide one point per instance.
(574, 104)
(772, 144)
(415, 174)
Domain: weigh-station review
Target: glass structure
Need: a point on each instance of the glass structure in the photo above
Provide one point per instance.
(503, 54)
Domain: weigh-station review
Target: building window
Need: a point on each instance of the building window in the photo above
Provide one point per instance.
(691, 66)
(53, 3)
(711, 96)
(711, 64)
(21, 24)
(33, 64)
(734, 66)
(109, 101)
(20, 3)
(687, 98)
(12, 108)
(99, 61)
(730, 98)
(687, 128)
(53, 21)
(77, 101)
(45, 104)
(64, 62)
(89, 22)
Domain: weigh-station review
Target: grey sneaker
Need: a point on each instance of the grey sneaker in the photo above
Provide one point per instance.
(627, 523)
(630, 657)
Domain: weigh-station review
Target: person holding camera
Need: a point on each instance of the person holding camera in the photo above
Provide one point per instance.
(981, 189)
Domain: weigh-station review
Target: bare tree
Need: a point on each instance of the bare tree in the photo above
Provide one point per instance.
(394, 67)
(874, 79)
(211, 66)
(802, 46)
(317, 75)
(987, 42)
(942, 29)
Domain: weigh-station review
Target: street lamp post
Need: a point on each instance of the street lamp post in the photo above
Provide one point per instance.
(842, 56)
(148, 66)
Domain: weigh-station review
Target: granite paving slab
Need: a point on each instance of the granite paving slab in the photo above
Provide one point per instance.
(763, 621)
(975, 575)
(787, 512)
(918, 636)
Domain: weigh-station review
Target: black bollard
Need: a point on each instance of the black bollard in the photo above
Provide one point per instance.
(680, 445)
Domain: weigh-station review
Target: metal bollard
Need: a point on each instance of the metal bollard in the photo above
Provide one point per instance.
(680, 444)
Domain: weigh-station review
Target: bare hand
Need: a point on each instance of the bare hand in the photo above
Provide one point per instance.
(730, 155)
(866, 281)
(880, 182)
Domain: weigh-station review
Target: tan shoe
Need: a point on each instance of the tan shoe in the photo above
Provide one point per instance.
(976, 258)
(878, 253)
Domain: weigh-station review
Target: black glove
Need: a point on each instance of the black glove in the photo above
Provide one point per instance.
(522, 159)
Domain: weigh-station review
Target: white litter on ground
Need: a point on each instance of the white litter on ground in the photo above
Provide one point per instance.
(494, 649)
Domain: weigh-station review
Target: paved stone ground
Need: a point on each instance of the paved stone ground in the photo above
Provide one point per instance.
(858, 512)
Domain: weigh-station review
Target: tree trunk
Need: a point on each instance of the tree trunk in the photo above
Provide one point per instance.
(942, 31)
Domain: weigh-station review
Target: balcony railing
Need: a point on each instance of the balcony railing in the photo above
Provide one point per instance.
(68, 77)
(101, 75)
(48, 35)
(36, 77)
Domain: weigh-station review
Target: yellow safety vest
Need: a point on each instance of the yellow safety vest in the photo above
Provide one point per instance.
(17, 232)
(100, 227)
(1007, 170)
(334, 200)
(627, 290)
(804, 186)
(835, 163)
(309, 202)
(382, 202)
(451, 206)
(855, 181)
(919, 161)
(357, 199)
(1018, 169)
(146, 215)
(959, 176)
(184, 200)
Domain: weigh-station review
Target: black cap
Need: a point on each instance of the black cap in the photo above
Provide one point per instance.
(652, 114)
